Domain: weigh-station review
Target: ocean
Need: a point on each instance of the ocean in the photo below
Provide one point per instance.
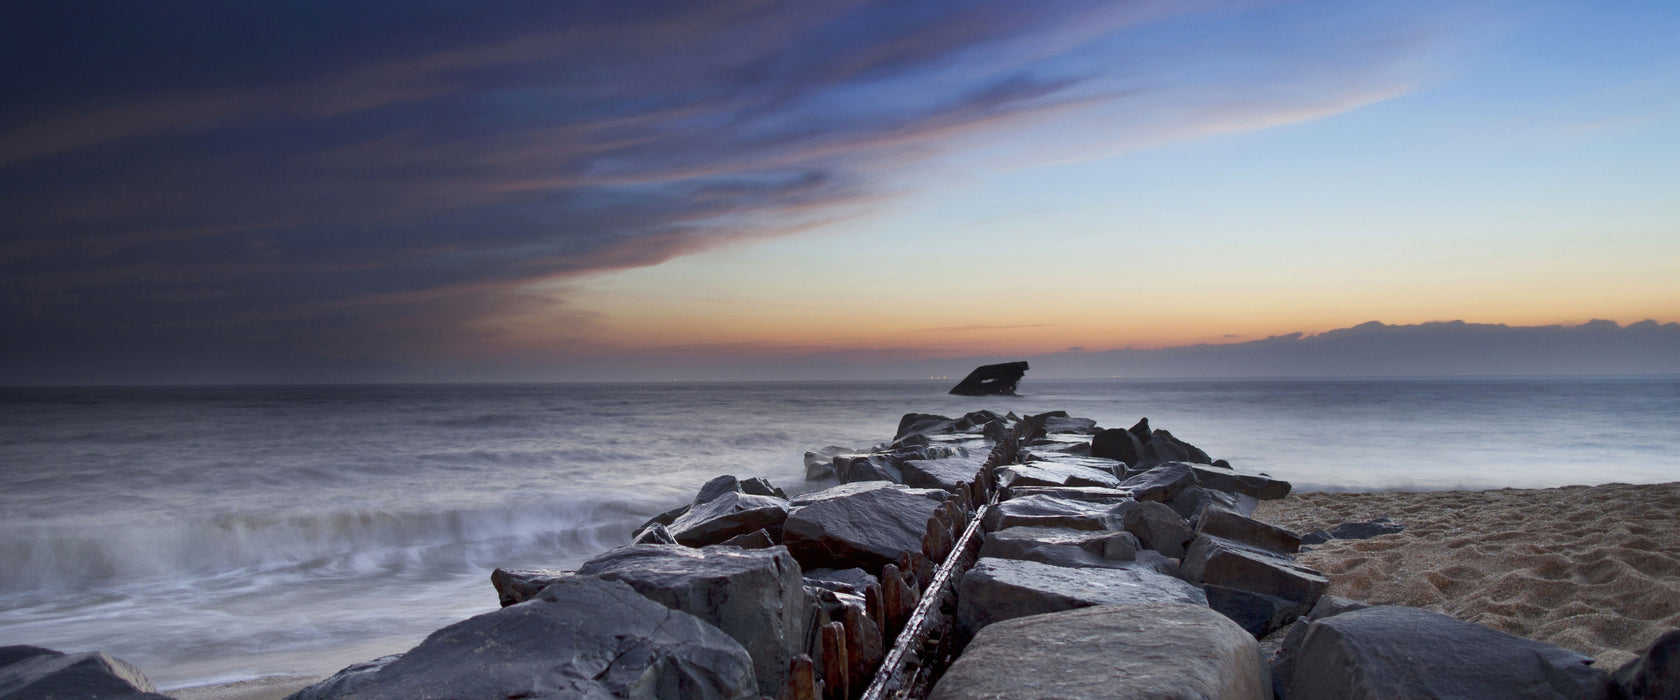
(211, 534)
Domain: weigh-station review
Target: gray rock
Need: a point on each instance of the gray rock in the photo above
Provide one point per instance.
(727, 515)
(514, 586)
(1216, 561)
(654, 534)
(1163, 447)
(1141, 431)
(1396, 652)
(1237, 528)
(1146, 650)
(36, 673)
(1051, 511)
(1258, 613)
(841, 580)
(1063, 423)
(1283, 667)
(819, 465)
(848, 490)
(1162, 482)
(873, 467)
(1655, 674)
(718, 486)
(1192, 501)
(941, 473)
(1117, 444)
(760, 486)
(347, 683)
(1055, 474)
(868, 529)
(755, 596)
(1156, 526)
(582, 637)
(1353, 531)
(1002, 589)
(1015, 542)
(922, 424)
(1088, 494)
(1101, 464)
(665, 518)
(1261, 487)
(757, 539)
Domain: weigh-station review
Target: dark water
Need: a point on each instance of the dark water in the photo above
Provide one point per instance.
(221, 533)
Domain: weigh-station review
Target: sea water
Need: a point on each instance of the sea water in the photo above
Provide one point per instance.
(215, 534)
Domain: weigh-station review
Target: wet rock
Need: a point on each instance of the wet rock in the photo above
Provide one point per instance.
(842, 580)
(1001, 589)
(1156, 526)
(519, 585)
(755, 596)
(1059, 422)
(1055, 474)
(922, 424)
(1258, 613)
(1283, 667)
(727, 515)
(1192, 501)
(1051, 511)
(1163, 447)
(654, 534)
(1015, 542)
(1117, 444)
(1161, 483)
(1258, 486)
(1392, 652)
(1147, 650)
(1141, 431)
(1237, 528)
(581, 637)
(760, 486)
(848, 490)
(991, 380)
(715, 488)
(867, 529)
(1101, 464)
(1088, 494)
(1215, 561)
(347, 682)
(1655, 674)
(34, 672)
(976, 420)
(943, 473)
(874, 467)
(758, 539)
(665, 518)
(819, 465)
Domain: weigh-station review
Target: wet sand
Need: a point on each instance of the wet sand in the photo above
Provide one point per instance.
(1594, 569)
(269, 688)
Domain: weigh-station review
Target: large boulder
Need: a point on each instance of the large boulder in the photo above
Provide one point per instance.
(726, 515)
(1088, 494)
(581, 637)
(943, 473)
(1163, 447)
(849, 490)
(1258, 486)
(515, 586)
(922, 424)
(867, 529)
(1141, 650)
(1055, 474)
(1156, 526)
(1215, 561)
(756, 596)
(1397, 652)
(1002, 589)
(1051, 511)
(1192, 501)
(31, 673)
(1238, 528)
(1283, 665)
(1017, 542)
(871, 467)
(1117, 444)
(991, 380)
(1162, 482)
(1655, 674)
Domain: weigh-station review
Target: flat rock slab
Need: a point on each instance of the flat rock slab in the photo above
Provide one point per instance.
(1015, 542)
(1051, 511)
(1088, 494)
(942, 473)
(1003, 589)
(756, 596)
(583, 637)
(847, 490)
(1240, 528)
(1055, 474)
(1397, 652)
(1259, 486)
(728, 515)
(1162, 482)
(1216, 561)
(28, 672)
(868, 529)
(1147, 650)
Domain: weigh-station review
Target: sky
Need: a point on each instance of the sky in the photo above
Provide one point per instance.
(425, 190)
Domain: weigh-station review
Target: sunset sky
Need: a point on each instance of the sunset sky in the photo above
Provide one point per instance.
(298, 191)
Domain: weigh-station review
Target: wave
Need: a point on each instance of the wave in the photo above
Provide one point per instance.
(312, 544)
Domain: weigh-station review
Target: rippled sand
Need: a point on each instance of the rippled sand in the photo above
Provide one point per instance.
(1595, 569)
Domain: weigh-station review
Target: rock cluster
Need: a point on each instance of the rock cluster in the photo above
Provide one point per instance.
(981, 556)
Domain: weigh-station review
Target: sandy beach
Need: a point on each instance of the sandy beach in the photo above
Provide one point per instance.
(1595, 569)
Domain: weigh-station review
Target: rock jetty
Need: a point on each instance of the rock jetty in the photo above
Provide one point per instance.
(979, 556)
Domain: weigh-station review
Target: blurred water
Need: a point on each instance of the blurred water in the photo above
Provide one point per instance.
(220, 533)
